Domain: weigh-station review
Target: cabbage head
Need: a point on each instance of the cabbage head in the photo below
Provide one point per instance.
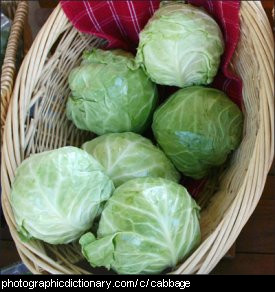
(148, 225)
(57, 194)
(197, 128)
(181, 45)
(110, 93)
(126, 156)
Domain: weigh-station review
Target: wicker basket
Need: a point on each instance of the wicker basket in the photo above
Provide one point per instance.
(36, 122)
(17, 11)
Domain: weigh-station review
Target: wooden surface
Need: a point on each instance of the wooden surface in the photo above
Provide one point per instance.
(255, 247)
(254, 251)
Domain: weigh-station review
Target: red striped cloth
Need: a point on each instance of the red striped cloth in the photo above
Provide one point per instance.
(120, 21)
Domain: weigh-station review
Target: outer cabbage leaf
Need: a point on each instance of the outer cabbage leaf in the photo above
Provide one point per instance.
(110, 93)
(197, 128)
(57, 194)
(181, 45)
(148, 225)
(126, 156)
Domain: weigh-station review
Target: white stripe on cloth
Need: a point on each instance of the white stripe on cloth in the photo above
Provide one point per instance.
(234, 4)
(223, 20)
(92, 16)
(117, 20)
(106, 21)
(82, 14)
(210, 4)
(133, 16)
(151, 8)
(226, 84)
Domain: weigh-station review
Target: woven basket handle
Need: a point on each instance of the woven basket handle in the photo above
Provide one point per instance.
(9, 64)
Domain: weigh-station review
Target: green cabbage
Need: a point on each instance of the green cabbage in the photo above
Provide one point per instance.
(197, 127)
(148, 225)
(110, 93)
(128, 155)
(57, 194)
(181, 45)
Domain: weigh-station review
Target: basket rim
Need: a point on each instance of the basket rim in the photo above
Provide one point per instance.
(211, 250)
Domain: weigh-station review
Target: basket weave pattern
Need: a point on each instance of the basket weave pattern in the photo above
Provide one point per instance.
(16, 10)
(36, 122)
